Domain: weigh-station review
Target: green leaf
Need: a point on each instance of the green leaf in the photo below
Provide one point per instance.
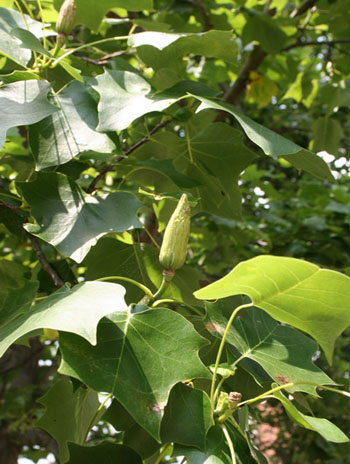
(139, 357)
(292, 291)
(104, 453)
(77, 309)
(10, 45)
(118, 416)
(187, 417)
(327, 135)
(284, 353)
(124, 97)
(272, 143)
(123, 260)
(23, 102)
(265, 30)
(72, 130)
(217, 44)
(213, 157)
(71, 220)
(324, 427)
(12, 275)
(140, 441)
(68, 414)
(217, 153)
(91, 13)
(216, 450)
(28, 40)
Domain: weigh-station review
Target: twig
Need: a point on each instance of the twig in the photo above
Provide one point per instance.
(328, 43)
(9, 206)
(110, 167)
(56, 279)
(302, 8)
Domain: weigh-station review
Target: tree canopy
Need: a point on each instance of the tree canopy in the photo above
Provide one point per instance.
(111, 111)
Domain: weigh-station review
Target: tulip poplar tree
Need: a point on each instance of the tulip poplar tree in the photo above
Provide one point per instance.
(111, 111)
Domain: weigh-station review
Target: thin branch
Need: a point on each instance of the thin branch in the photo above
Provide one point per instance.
(327, 43)
(204, 12)
(9, 206)
(128, 152)
(56, 279)
(303, 8)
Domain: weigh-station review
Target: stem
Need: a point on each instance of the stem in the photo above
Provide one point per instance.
(230, 444)
(162, 454)
(145, 289)
(221, 348)
(265, 395)
(110, 39)
(161, 289)
(95, 416)
(170, 300)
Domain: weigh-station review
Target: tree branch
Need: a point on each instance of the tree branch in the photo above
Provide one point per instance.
(303, 8)
(254, 60)
(56, 279)
(138, 144)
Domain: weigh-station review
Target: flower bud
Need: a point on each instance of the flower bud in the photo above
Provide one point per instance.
(66, 17)
(174, 247)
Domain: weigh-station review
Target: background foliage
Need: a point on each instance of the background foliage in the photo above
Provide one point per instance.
(101, 132)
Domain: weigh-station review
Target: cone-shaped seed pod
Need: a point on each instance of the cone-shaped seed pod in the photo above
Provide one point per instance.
(174, 247)
(66, 17)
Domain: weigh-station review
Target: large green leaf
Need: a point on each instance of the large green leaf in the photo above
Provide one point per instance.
(68, 414)
(216, 450)
(213, 157)
(272, 143)
(71, 220)
(324, 427)
(23, 102)
(10, 45)
(218, 44)
(77, 309)
(91, 13)
(139, 357)
(293, 291)
(282, 351)
(124, 97)
(187, 417)
(104, 453)
(60, 137)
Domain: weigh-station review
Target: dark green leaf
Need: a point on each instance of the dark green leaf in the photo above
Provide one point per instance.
(187, 417)
(216, 450)
(71, 220)
(274, 144)
(12, 275)
(104, 453)
(327, 135)
(138, 367)
(68, 414)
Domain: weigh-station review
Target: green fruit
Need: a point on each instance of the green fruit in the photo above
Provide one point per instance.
(174, 247)
(66, 17)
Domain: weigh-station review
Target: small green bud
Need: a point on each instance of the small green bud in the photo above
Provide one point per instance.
(66, 17)
(174, 247)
